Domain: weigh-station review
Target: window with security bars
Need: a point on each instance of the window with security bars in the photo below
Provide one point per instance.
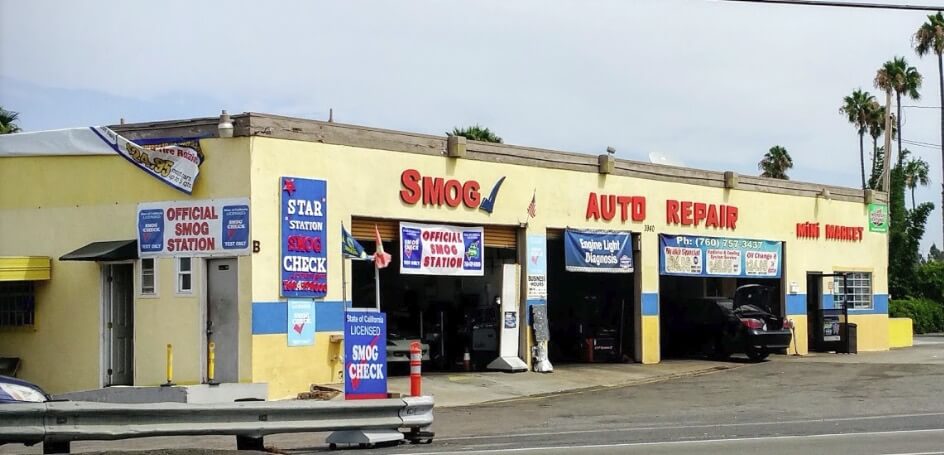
(857, 290)
(17, 303)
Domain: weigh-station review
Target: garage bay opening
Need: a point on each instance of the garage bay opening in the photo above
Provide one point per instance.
(443, 288)
(721, 296)
(591, 295)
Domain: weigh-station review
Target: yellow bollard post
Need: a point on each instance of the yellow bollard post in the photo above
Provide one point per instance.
(170, 366)
(211, 364)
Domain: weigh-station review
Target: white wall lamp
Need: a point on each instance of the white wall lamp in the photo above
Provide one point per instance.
(824, 193)
(225, 128)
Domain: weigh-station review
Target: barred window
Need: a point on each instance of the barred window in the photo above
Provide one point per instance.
(148, 275)
(858, 290)
(17, 304)
(184, 275)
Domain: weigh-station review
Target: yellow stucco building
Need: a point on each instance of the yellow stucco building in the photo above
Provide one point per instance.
(73, 273)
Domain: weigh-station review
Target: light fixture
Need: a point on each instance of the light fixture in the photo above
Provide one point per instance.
(225, 128)
(824, 193)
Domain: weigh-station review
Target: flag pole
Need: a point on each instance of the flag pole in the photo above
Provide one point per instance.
(377, 285)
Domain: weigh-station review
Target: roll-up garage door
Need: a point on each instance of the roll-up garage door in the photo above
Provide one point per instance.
(495, 236)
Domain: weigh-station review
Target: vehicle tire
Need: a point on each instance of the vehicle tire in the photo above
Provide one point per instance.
(757, 355)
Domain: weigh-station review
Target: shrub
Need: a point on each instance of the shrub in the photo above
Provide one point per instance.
(927, 315)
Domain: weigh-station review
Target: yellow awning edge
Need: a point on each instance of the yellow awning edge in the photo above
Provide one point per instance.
(24, 268)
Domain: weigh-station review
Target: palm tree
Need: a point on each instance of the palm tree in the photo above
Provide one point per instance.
(916, 173)
(7, 119)
(895, 75)
(930, 39)
(476, 133)
(857, 107)
(775, 164)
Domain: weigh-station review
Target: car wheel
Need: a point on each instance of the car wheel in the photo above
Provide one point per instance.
(757, 354)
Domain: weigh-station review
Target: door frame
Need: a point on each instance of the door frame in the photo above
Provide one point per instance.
(103, 340)
(205, 315)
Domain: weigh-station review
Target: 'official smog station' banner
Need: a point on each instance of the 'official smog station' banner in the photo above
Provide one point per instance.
(441, 250)
(687, 255)
(365, 355)
(598, 251)
(303, 262)
(213, 227)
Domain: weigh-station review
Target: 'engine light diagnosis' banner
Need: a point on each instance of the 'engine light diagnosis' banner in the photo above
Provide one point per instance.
(441, 250)
(688, 255)
(212, 227)
(365, 355)
(304, 261)
(598, 251)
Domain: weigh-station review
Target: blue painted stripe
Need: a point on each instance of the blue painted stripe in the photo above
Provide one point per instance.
(796, 304)
(828, 302)
(879, 306)
(650, 304)
(272, 317)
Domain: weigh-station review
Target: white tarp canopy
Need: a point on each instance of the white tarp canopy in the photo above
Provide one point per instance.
(175, 165)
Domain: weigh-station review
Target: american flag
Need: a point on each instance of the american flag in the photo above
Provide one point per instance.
(532, 207)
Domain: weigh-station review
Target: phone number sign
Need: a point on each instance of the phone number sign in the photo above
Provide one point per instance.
(687, 255)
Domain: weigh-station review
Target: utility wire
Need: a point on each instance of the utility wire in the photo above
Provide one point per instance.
(844, 4)
(922, 107)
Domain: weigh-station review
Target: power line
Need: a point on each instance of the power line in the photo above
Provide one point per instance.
(844, 4)
(921, 144)
(922, 107)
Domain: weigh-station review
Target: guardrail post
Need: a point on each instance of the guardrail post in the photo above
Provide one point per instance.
(56, 447)
(249, 443)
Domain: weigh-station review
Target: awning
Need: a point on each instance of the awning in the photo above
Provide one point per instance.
(114, 250)
(24, 268)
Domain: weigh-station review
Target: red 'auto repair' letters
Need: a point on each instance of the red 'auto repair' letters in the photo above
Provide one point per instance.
(688, 213)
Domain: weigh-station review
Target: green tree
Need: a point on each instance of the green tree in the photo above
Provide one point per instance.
(476, 133)
(935, 254)
(895, 75)
(8, 121)
(876, 129)
(776, 163)
(858, 108)
(916, 173)
(929, 39)
(906, 228)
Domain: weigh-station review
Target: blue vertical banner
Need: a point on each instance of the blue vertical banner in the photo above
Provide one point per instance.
(301, 322)
(536, 267)
(235, 227)
(304, 262)
(151, 230)
(365, 355)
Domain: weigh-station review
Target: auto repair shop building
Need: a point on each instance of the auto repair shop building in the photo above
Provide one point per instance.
(102, 265)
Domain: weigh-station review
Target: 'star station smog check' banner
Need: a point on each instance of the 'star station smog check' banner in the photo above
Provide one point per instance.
(712, 256)
(212, 227)
(598, 251)
(441, 250)
(304, 261)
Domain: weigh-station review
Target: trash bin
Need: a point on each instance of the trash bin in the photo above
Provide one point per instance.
(851, 332)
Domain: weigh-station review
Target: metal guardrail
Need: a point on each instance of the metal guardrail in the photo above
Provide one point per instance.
(56, 424)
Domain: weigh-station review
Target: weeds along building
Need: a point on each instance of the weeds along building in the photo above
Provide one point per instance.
(102, 264)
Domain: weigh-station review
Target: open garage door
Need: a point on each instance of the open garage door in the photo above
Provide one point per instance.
(720, 296)
(591, 295)
(454, 310)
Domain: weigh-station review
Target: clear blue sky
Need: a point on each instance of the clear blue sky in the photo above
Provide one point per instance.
(710, 84)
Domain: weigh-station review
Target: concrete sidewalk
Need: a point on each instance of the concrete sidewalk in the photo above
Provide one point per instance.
(463, 389)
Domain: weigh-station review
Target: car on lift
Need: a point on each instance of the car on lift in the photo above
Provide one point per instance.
(722, 326)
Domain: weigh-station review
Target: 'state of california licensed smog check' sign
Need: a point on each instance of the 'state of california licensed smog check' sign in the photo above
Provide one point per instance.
(365, 355)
